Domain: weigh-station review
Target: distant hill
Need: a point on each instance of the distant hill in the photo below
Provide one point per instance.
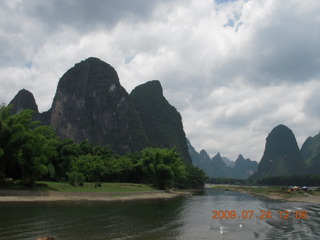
(228, 162)
(219, 168)
(244, 168)
(195, 156)
(216, 166)
(213, 167)
(310, 152)
(281, 155)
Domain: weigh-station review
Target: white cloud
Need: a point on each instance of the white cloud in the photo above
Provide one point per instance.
(234, 70)
(241, 117)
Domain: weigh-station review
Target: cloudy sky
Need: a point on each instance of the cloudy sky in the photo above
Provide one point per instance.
(234, 69)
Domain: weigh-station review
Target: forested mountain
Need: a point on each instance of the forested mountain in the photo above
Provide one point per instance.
(281, 155)
(162, 122)
(91, 104)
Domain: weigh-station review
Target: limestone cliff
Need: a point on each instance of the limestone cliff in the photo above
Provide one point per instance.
(310, 152)
(91, 104)
(162, 121)
(24, 100)
(281, 155)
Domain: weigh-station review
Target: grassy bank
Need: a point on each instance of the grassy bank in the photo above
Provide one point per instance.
(62, 191)
(88, 187)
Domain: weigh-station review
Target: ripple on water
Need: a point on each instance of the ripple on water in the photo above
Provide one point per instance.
(186, 218)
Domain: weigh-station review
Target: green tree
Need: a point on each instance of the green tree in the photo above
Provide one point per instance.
(89, 167)
(26, 148)
(162, 167)
(35, 154)
(164, 176)
(53, 141)
(12, 138)
(68, 151)
(119, 169)
(194, 177)
(86, 147)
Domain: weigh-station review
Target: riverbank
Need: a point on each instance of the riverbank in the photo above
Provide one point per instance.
(277, 193)
(62, 191)
(46, 196)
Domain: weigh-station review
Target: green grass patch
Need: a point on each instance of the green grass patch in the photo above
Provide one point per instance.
(88, 187)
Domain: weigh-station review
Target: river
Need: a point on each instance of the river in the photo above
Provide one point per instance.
(182, 218)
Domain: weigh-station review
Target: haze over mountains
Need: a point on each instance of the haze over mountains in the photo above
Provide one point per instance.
(222, 167)
(281, 157)
(90, 103)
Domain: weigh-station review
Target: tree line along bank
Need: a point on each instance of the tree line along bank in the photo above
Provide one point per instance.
(30, 152)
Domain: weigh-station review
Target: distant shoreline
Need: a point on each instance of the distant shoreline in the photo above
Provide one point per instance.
(53, 196)
(275, 195)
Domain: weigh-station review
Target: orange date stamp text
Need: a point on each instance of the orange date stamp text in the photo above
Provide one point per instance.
(251, 214)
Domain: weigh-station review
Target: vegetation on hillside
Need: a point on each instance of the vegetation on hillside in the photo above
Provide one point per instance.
(31, 152)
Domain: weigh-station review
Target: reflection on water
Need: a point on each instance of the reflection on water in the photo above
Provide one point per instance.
(185, 218)
(239, 228)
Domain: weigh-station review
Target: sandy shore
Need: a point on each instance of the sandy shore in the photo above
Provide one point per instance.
(44, 196)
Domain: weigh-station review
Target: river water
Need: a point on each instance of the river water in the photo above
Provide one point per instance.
(183, 218)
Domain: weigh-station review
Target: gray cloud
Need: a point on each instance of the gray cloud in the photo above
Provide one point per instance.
(88, 15)
(312, 102)
(234, 69)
